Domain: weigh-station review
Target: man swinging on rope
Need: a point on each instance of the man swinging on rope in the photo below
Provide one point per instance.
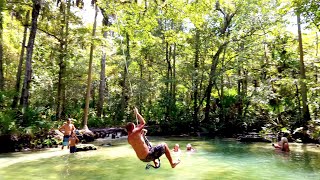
(144, 153)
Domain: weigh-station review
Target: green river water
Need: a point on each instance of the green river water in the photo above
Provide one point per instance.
(213, 159)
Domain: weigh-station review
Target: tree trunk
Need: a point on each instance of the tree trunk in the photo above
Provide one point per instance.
(222, 84)
(245, 83)
(19, 71)
(140, 87)
(149, 62)
(65, 58)
(86, 109)
(215, 61)
(102, 85)
(124, 93)
(28, 69)
(196, 77)
(60, 80)
(303, 87)
(2, 5)
(61, 99)
(240, 85)
(168, 84)
(316, 93)
(174, 82)
(316, 76)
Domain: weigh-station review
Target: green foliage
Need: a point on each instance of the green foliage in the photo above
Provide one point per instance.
(259, 70)
(7, 122)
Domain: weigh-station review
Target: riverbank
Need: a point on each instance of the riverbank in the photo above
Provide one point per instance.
(8, 159)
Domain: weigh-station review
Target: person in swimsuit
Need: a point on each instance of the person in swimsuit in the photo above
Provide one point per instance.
(137, 141)
(73, 140)
(66, 129)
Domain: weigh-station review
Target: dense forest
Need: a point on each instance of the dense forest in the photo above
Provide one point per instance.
(219, 67)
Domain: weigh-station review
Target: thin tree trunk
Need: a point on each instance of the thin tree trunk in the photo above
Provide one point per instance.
(168, 68)
(196, 77)
(140, 87)
(61, 102)
(303, 87)
(125, 95)
(2, 5)
(174, 82)
(222, 84)
(150, 94)
(61, 63)
(19, 71)
(245, 83)
(316, 75)
(86, 109)
(167, 113)
(93, 92)
(102, 85)
(60, 81)
(240, 85)
(28, 69)
(298, 97)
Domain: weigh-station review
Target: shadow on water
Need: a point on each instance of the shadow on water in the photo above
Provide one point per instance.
(213, 159)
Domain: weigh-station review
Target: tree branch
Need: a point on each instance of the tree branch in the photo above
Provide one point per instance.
(50, 34)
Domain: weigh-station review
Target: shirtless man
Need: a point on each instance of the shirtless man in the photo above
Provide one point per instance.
(144, 153)
(283, 145)
(66, 129)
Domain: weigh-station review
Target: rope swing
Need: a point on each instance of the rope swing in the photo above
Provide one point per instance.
(131, 91)
(124, 54)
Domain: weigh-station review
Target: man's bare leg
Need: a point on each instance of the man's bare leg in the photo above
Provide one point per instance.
(168, 155)
(62, 147)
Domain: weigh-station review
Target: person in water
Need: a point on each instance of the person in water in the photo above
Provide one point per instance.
(66, 129)
(73, 140)
(176, 151)
(283, 145)
(143, 152)
(190, 148)
(176, 148)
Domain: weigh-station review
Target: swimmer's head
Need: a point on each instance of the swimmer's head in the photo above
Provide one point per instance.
(189, 147)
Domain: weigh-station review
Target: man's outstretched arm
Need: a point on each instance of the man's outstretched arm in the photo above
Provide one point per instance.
(142, 122)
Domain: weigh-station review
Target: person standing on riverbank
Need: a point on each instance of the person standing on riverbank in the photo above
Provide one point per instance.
(144, 153)
(67, 128)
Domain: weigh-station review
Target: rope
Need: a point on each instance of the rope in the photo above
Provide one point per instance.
(123, 53)
(125, 61)
(155, 167)
(149, 145)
